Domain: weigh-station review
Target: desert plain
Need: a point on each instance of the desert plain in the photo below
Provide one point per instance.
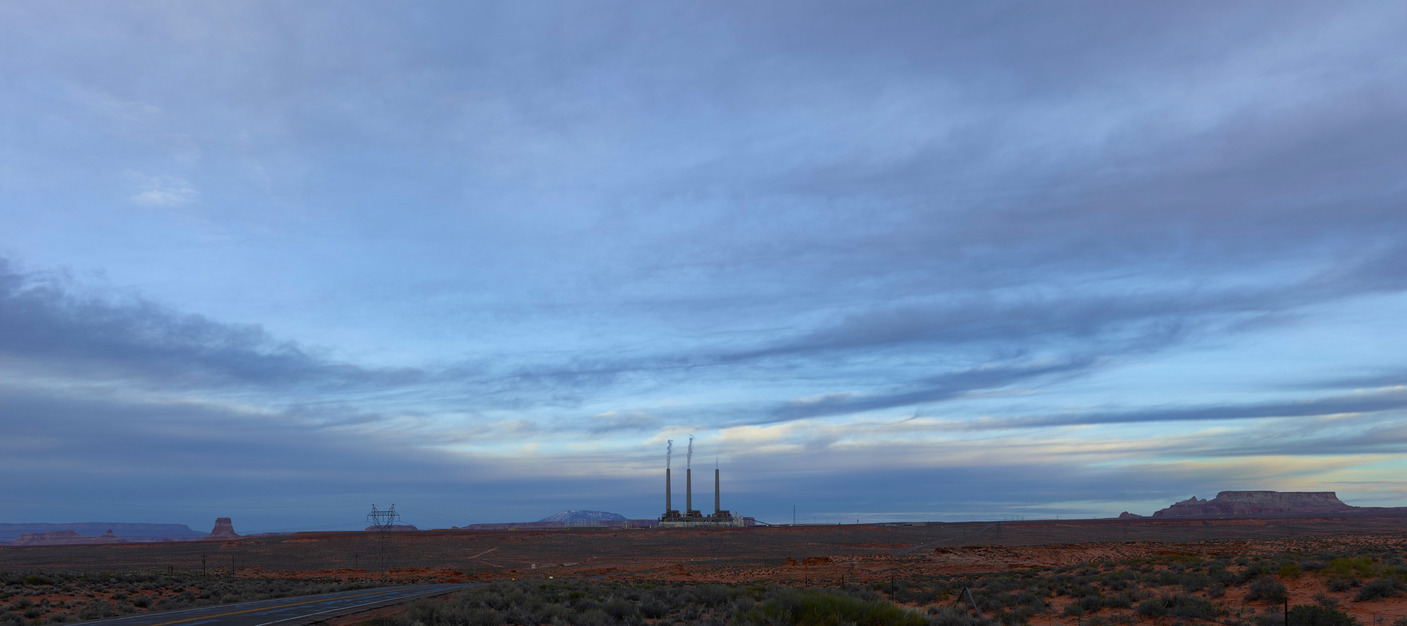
(1057, 572)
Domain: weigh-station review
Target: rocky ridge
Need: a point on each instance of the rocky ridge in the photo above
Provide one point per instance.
(1259, 504)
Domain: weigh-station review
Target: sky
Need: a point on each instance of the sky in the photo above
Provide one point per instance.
(883, 261)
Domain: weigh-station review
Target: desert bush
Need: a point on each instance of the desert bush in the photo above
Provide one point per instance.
(1266, 589)
(619, 608)
(1345, 567)
(1259, 569)
(1194, 582)
(1269, 618)
(97, 609)
(1377, 589)
(1311, 565)
(1315, 615)
(1342, 584)
(1152, 609)
(953, 616)
(1324, 599)
(1180, 605)
(1119, 600)
(813, 607)
(654, 608)
(711, 595)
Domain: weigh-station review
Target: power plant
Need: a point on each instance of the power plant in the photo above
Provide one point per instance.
(692, 518)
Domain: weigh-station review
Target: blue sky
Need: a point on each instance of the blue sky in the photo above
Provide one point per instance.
(887, 260)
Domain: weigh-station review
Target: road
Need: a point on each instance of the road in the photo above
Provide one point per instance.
(284, 611)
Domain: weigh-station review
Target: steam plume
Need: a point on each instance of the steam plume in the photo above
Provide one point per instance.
(668, 452)
(689, 460)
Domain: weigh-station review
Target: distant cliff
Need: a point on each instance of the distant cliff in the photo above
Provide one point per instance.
(583, 516)
(1260, 504)
(64, 538)
(92, 530)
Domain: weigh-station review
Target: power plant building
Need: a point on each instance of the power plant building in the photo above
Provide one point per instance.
(692, 518)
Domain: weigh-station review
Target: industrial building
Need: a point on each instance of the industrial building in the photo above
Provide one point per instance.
(692, 518)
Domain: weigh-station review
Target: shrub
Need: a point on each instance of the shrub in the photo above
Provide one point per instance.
(1380, 588)
(1270, 618)
(1349, 568)
(1342, 584)
(1119, 601)
(653, 608)
(1314, 615)
(619, 608)
(1266, 589)
(1152, 608)
(953, 616)
(1194, 582)
(96, 609)
(1180, 605)
(813, 607)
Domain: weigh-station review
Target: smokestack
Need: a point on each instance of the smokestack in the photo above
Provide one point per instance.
(666, 490)
(717, 508)
(688, 490)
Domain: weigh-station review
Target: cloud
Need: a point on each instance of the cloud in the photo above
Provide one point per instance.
(1334, 405)
(167, 191)
(53, 325)
(934, 389)
(612, 421)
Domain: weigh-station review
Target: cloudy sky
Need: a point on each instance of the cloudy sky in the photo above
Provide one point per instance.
(883, 260)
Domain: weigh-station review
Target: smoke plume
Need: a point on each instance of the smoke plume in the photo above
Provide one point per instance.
(689, 459)
(668, 452)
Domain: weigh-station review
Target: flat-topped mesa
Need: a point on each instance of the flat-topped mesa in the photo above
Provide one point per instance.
(1258, 504)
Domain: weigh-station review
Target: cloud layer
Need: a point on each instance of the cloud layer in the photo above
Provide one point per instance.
(1069, 260)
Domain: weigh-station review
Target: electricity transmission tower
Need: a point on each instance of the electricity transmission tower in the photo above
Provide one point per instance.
(384, 522)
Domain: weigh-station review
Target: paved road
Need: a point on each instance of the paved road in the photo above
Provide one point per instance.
(284, 611)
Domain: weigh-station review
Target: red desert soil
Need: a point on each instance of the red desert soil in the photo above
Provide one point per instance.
(805, 555)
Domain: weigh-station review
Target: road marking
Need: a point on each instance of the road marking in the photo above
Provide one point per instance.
(340, 608)
(266, 608)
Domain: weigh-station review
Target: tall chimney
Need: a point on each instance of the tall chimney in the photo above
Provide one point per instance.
(688, 490)
(717, 508)
(666, 490)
